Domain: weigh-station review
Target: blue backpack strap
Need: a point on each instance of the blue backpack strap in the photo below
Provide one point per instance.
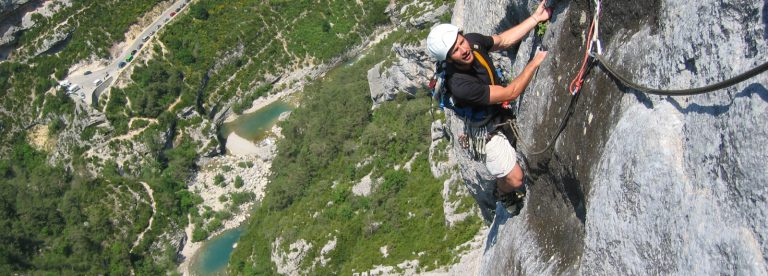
(475, 116)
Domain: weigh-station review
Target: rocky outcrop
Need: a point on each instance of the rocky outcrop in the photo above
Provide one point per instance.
(8, 6)
(407, 75)
(54, 42)
(377, 85)
(12, 15)
(17, 16)
(427, 14)
(635, 184)
(287, 262)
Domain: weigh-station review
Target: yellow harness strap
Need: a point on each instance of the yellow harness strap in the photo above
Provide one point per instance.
(482, 61)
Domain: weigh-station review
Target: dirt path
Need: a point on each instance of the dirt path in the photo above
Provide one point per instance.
(130, 122)
(170, 107)
(151, 219)
(126, 136)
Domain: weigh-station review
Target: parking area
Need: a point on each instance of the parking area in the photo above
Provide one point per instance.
(83, 85)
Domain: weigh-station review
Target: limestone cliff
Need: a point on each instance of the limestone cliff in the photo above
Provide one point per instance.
(635, 184)
(7, 6)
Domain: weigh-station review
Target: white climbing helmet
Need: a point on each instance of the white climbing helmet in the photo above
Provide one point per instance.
(440, 40)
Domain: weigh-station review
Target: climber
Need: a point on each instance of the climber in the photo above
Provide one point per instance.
(471, 80)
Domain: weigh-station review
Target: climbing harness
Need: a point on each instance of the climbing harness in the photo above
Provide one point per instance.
(479, 132)
(474, 121)
(593, 40)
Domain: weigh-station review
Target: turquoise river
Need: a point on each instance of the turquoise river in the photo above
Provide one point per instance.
(213, 256)
(252, 126)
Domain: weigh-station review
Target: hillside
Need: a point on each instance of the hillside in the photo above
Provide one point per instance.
(73, 168)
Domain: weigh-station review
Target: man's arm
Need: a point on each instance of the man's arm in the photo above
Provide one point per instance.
(513, 35)
(500, 94)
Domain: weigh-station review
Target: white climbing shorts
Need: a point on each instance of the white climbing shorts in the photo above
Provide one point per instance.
(500, 156)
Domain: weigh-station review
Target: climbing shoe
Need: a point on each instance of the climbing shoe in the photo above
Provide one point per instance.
(511, 200)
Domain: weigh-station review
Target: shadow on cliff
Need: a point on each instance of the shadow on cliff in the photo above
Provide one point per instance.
(715, 110)
(501, 218)
(765, 19)
(565, 182)
(641, 97)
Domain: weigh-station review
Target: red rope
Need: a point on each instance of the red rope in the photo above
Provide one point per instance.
(576, 83)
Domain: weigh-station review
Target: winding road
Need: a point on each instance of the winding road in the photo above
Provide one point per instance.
(87, 83)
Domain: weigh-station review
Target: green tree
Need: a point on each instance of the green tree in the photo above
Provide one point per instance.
(55, 126)
(199, 234)
(199, 11)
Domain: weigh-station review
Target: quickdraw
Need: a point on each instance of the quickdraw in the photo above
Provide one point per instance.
(593, 40)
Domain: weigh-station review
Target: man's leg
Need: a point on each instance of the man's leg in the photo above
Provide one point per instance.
(501, 161)
(511, 182)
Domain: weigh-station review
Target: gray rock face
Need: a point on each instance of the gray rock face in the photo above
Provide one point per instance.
(636, 183)
(19, 17)
(7, 6)
(379, 93)
(428, 13)
(53, 42)
(410, 72)
(689, 170)
(10, 20)
(429, 17)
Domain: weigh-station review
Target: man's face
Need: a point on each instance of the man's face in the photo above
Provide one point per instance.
(461, 53)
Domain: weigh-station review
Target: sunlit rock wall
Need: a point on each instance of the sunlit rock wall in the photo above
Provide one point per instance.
(636, 183)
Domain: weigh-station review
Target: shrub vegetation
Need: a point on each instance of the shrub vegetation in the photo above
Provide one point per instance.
(320, 148)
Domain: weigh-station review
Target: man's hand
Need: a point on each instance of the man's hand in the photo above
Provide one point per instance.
(542, 13)
(538, 58)
(500, 94)
(513, 36)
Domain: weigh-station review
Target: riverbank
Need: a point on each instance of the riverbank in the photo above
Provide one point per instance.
(248, 161)
(297, 79)
(239, 146)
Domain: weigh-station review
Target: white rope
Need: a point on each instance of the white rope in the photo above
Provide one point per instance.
(596, 32)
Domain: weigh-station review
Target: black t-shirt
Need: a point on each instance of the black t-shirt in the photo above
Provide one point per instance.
(471, 87)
